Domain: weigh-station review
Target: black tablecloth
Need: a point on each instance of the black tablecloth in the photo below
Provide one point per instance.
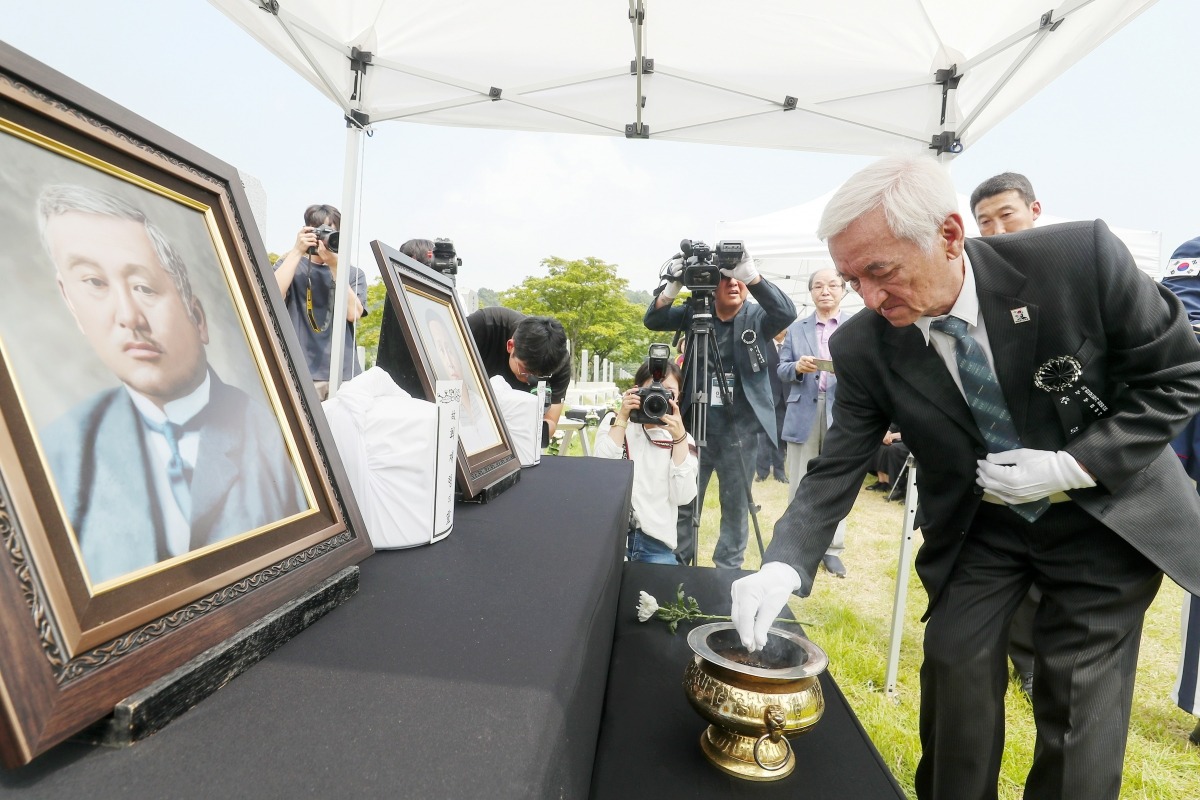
(474, 668)
(650, 735)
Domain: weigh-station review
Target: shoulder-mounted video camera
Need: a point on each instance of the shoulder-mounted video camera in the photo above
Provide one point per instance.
(702, 264)
(656, 400)
(444, 259)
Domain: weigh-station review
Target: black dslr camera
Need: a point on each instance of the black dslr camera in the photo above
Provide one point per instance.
(444, 258)
(329, 235)
(701, 266)
(656, 401)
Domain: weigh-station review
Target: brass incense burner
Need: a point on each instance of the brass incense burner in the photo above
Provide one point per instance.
(754, 701)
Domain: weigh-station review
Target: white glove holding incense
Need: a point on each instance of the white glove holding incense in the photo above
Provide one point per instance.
(758, 599)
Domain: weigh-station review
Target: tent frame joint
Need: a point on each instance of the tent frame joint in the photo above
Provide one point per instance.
(269, 6)
(1047, 20)
(636, 130)
(358, 119)
(790, 103)
(647, 66)
(360, 60)
(946, 142)
(494, 93)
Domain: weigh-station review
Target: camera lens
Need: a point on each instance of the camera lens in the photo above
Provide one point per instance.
(655, 406)
(331, 241)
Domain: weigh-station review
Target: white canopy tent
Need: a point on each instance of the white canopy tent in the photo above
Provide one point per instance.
(860, 76)
(786, 248)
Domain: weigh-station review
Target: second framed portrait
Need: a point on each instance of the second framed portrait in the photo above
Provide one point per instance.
(424, 339)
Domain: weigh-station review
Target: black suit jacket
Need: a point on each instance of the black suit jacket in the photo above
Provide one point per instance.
(1083, 297)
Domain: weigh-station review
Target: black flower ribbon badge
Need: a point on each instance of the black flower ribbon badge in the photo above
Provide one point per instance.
(1060, 376)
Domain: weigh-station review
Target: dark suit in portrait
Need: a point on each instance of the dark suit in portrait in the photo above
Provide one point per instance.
(1097, 554)
(97, 451)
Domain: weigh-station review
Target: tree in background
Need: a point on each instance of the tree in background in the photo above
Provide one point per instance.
(488, 297)
(366, 332)
(588, 298)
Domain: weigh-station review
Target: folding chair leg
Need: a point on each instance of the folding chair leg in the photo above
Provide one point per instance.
(898, 480)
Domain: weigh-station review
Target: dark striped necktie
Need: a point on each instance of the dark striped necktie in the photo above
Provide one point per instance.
(986, 401)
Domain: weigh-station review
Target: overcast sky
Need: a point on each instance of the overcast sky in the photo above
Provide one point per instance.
(1111, 138)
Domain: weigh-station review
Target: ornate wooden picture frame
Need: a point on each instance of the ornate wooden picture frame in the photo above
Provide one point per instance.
(425, 338)
(163, 477)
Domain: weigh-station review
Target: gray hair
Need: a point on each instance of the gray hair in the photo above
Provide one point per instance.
(60, 199)
(812, 276)
(914, 191)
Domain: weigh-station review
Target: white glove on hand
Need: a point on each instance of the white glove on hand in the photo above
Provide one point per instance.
(743, 271)
(672, 273)
(1022, 476)
(758, 599)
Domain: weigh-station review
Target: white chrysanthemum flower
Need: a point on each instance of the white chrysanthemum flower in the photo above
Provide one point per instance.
(647, 606)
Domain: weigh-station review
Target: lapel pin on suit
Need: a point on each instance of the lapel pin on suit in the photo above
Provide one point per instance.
(1020, 315)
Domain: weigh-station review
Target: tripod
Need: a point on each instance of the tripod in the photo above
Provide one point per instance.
(699, 345)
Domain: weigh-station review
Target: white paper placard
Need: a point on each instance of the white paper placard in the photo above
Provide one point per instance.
(448, 396)
(538, 412)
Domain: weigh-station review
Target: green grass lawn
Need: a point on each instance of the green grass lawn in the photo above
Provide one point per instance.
(853, 618)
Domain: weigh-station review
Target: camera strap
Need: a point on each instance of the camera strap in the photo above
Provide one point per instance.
(308, 304)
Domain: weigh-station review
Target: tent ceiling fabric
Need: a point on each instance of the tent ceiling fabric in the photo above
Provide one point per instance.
(860, 73)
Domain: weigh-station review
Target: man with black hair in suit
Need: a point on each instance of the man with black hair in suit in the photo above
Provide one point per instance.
(1038, 378)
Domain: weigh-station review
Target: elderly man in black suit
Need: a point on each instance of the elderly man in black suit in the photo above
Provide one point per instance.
(1038, 378)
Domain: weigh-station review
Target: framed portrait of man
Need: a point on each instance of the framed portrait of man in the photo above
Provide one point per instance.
(424, 338)
(162, 477)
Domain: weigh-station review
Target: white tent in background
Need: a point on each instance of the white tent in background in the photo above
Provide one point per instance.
(786, 248)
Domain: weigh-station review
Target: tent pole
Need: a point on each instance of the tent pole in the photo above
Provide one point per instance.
(354, 137)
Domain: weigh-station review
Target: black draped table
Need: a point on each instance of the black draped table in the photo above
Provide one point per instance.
(650, 736)
(474, 668)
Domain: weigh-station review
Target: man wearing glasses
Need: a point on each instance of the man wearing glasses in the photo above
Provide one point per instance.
(741, 331)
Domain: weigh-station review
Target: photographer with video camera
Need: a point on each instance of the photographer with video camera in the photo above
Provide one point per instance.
(648, 430)
(436, 253)
(720, 282)
(306, 276)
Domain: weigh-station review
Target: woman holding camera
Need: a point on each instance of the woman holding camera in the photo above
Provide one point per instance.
(664, 465)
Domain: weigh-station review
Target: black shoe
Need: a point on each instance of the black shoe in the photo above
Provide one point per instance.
(1194, 736)
(833, 565)
(1027, 685)
(879, 487)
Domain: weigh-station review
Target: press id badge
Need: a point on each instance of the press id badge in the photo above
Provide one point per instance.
(714, 397)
